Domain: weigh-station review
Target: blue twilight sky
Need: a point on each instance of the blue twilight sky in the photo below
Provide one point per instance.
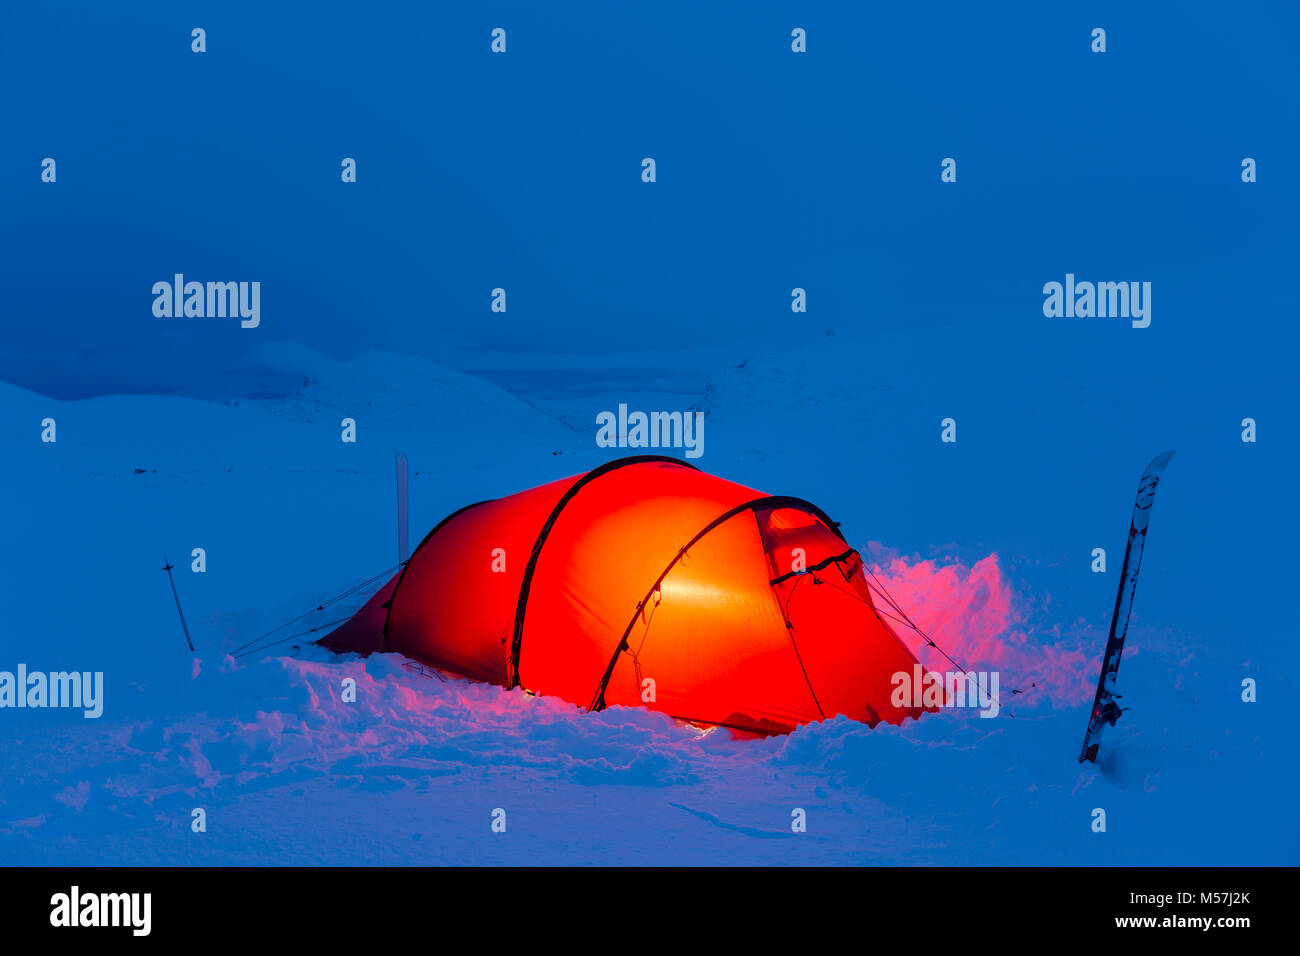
(522, 170)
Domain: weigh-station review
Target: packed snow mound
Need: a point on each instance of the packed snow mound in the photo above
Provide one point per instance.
(319, 729)
(975, 616)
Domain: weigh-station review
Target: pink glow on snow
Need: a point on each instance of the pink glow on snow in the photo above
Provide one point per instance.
(973, 614)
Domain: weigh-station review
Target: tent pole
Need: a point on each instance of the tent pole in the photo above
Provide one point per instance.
(403, 538)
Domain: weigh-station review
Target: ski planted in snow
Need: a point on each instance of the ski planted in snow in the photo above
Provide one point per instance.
(1104, 709)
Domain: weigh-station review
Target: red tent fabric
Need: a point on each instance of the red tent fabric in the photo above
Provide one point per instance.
(647, 582)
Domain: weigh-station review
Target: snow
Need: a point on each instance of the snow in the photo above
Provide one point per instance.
(412, 771)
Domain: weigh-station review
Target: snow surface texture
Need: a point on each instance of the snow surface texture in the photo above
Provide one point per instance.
(411, 772)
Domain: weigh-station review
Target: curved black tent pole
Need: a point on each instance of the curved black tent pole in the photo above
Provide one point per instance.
(406, 567)
(521, 607)
(774, 501)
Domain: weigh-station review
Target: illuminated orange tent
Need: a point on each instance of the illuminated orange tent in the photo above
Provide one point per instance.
(647, 582)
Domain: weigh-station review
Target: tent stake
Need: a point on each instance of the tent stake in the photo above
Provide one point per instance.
(167, 566)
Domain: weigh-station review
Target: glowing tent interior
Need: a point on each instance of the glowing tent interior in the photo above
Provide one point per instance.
(647, 582)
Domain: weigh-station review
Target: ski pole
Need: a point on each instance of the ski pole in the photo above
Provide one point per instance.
(167, 566)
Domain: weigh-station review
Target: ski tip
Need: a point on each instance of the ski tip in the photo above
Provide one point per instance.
(1160, 461)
